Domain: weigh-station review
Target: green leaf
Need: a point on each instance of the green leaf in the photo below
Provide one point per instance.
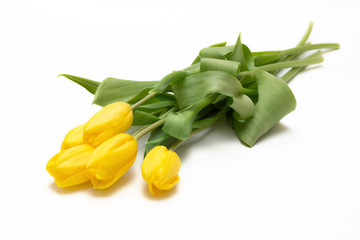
(261, 60)
(222, 44)
(275, 100)
(88, 84)
(143, 118)
(168, 79)
(140, 96)
(249, 58)
(158, 137)
(113, 90)
(207, 122)
(197, 59)
(180, 125)
(243, 107)
(212, 64)
(243, 55)
(237, 52)
(216, 52)
(195, 87)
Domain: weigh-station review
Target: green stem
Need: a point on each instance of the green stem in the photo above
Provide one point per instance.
(295, 70)
(306, 35)
(179, 142)
(149, 128)
(173, 109)
(210, 123)
(301, 49)
(288, 64)
(301, 43)
(150, 95)
(277, 66)
(290, 57)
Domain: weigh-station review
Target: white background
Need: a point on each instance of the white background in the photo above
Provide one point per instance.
(300, 181)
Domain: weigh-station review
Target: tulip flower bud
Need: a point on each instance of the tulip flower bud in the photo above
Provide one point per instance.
(111, 160)
(160, 168)
(113, 119)
(68, 166)
(73, 138)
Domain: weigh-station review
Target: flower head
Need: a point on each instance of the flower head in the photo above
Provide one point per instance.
(113, 119)
(68, 166)
(160, 168)
(73, 138)
(111, 160)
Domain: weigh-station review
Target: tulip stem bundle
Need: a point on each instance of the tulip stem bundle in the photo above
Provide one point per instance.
(230, 82)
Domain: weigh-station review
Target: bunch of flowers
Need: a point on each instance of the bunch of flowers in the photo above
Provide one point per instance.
(223, 81)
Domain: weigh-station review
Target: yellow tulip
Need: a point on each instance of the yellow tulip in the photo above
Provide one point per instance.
(160, 168)
(111, 160)
(113, 119)
(68, 166)
(73, 138)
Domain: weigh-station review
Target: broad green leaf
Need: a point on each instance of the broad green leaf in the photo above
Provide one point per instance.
(243, 107)
(197, 59)
(143, 118)
(113, 90)
(216, 52)
(140, 96)
(180, 125)
(222, 44)
(243, 55)
(88, 84)
(195, 87)
(207, 122)
(212, 64)
(275, 100)
(158, 137)
(249, 58)
(255, 54)
(168, 79)
(261, 60)
(237, 52)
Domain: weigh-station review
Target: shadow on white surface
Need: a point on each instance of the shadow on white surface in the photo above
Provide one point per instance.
(159, 195)
(278, 129)
(69, 190)
(221, 131)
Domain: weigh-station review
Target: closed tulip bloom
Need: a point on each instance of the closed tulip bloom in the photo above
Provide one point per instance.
(73, 138)
(113, 119)
(68, 167)
(111, 160)
(160, 168)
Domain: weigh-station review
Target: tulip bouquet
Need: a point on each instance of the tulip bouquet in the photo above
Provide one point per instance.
(223, 81)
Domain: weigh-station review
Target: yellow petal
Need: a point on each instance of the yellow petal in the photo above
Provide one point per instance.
(113, 119)
(111, 160)
(72, 180)
(73, 138)
(68, 166)
(74, 159)
(160, 168)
